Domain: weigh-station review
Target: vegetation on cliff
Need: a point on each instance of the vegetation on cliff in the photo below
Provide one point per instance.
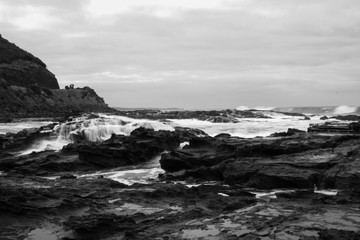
(17, 101)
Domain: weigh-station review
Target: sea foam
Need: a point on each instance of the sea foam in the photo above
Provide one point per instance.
(344, 110)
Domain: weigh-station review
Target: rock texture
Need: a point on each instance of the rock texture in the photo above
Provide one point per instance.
(21, 68)
(299, 161)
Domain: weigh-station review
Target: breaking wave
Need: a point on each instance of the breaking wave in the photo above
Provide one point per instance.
(243, 108)
(344, 110)
(93, 130)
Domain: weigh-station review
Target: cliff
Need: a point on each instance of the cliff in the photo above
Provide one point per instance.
(28, 89)
(21, 68)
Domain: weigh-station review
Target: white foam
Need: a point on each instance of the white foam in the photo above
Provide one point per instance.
(270, 194)
(183, 144)
(247, 127)
(94, 130)
(223, 194)
(327, 192)
(344, 110)
(129, 177)
(45, 145)
(244, 108)
(131, 174)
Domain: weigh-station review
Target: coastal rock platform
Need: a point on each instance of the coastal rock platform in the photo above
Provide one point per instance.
(301, 186)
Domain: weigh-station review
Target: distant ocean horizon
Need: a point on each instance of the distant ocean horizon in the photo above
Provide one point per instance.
(315, 110)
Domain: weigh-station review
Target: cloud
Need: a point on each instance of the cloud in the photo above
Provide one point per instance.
(28, 17)
(228, 53)
(159, 8)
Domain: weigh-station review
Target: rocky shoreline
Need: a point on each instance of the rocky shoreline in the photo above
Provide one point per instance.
(291, 185)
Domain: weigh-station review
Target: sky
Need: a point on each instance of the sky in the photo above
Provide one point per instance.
(196, 53)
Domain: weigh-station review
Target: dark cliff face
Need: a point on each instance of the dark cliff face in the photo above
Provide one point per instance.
(21, 68)
(28, 89)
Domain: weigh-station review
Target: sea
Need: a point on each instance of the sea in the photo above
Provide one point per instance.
(100, 129)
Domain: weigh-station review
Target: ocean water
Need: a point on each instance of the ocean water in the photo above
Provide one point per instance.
(328, 110)
(15, 127)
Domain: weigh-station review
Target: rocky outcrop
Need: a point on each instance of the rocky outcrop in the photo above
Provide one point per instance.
(21, 68)
(24, 137)
(141, 146)
(336, 127)
(299, 161)
(22, 102)
(347, 117)
(215, 116)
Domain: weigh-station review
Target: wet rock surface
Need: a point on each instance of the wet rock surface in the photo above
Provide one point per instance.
(100, 208)
(218, 187)
(300, 161)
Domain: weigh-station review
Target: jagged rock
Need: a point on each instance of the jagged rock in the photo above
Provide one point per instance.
(142, 145)
(295, 162)
(67, 176)
(347, 117)
(336, 234)
(218, 116)
(290, 132)
(25, 137)
(97, 226)
(335, 127)
(222, 119)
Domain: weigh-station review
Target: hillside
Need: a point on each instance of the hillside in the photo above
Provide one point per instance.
(28, 89)
(21, 68)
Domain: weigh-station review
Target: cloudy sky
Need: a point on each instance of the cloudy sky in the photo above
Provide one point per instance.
(196, 53)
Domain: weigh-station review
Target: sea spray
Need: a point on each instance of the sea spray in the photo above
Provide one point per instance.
(344, 110)
(245, 108)
(93, 130)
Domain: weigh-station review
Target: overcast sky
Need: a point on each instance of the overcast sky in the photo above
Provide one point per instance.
(196, 53)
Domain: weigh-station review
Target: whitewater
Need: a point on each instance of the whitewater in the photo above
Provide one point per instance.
(101, 128)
